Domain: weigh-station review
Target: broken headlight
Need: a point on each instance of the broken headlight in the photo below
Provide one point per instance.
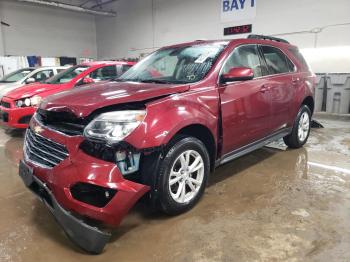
(114, 126)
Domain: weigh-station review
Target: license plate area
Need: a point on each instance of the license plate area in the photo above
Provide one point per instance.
(26, 173)
(34, 184)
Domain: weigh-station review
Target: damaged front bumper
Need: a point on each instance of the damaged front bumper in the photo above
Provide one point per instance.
(87, 237)
(83, 192)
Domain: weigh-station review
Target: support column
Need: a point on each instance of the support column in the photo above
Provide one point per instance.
(2, 51)
(2, 48)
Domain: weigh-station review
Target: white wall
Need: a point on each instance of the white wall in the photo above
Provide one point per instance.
(37, 30)
(328, 59)
(132, 28)
(186, 20)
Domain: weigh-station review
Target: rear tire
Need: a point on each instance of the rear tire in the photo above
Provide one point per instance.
(183, 175)
(301, 129)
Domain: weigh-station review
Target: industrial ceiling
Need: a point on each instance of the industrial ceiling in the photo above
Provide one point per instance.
(95, 7)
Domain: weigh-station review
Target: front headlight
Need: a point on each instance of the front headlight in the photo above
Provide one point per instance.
(35, 100)
(114, 126)
(30, 101)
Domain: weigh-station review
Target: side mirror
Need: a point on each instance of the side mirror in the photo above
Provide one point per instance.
(88, 80)
(238, 74)
(30, 80)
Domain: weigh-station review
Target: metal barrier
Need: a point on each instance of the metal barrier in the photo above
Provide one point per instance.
(332, 93)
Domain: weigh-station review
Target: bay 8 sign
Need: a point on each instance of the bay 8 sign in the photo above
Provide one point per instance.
(237, 10)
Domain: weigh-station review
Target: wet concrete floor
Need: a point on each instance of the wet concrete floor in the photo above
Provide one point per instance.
(270, 205)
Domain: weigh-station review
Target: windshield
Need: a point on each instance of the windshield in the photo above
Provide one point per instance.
(16, 75)
(187, 64)
(67, 75)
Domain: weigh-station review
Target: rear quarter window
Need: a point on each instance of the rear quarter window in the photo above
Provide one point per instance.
(299, 57)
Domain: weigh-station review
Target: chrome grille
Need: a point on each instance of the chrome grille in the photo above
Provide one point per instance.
(42, 151)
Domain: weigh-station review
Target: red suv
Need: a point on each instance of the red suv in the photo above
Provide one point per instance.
(161, 128)
(18, 106)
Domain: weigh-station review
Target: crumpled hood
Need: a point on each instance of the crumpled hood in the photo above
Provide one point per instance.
(30, 90)
(82, 101)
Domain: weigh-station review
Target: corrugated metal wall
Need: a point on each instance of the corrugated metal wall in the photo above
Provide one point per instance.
(332, 94)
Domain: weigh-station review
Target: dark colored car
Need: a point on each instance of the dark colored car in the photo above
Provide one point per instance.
(18, 106)
(161, 128)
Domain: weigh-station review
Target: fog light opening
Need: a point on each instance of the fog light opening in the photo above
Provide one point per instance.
(127, 161)
(107, 195)
(91, 194)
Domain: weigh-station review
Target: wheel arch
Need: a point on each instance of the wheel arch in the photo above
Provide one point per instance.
(204, 134)
(310, 103)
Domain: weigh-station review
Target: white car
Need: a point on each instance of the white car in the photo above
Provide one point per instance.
(27, 75)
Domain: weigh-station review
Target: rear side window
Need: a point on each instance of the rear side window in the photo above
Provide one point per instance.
(276, 60)
(296, 53)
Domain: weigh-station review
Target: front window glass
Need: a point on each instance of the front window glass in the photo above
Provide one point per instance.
(16, 75)
(104, 73)
(185, 64)
(121, 69)
(245, 56)
(43, 75)
(125, 68)
(67, 75)
(60, 70)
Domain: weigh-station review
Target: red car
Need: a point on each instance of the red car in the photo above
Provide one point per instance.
(19, 105)
(161, 128)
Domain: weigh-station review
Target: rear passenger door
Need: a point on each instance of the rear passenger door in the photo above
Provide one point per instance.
(280, 83)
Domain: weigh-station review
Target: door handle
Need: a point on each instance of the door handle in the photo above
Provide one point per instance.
(264, 88)
(295, 80)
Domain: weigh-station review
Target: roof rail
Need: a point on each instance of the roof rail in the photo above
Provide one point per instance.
(265, 37)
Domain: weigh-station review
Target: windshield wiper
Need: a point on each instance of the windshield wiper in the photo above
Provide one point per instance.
(162, 81)
(124, 80)
(156, 81)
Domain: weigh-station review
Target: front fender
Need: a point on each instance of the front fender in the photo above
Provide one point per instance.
(167, 117)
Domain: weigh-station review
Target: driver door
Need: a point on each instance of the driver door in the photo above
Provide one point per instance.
(245, 105)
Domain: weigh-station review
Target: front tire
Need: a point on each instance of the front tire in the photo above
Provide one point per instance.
(183, 175)
(301, 129)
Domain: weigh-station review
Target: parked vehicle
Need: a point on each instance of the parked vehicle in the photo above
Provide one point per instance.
(161, 128)
(19, 105)
(27, 75)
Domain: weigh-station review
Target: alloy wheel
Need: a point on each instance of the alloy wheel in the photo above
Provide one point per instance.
(186, 176)
(304, 126)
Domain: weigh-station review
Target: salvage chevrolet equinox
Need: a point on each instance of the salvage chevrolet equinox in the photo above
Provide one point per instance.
(158, 130)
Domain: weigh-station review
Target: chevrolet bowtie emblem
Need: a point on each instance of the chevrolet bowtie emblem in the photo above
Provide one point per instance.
(38, 129)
